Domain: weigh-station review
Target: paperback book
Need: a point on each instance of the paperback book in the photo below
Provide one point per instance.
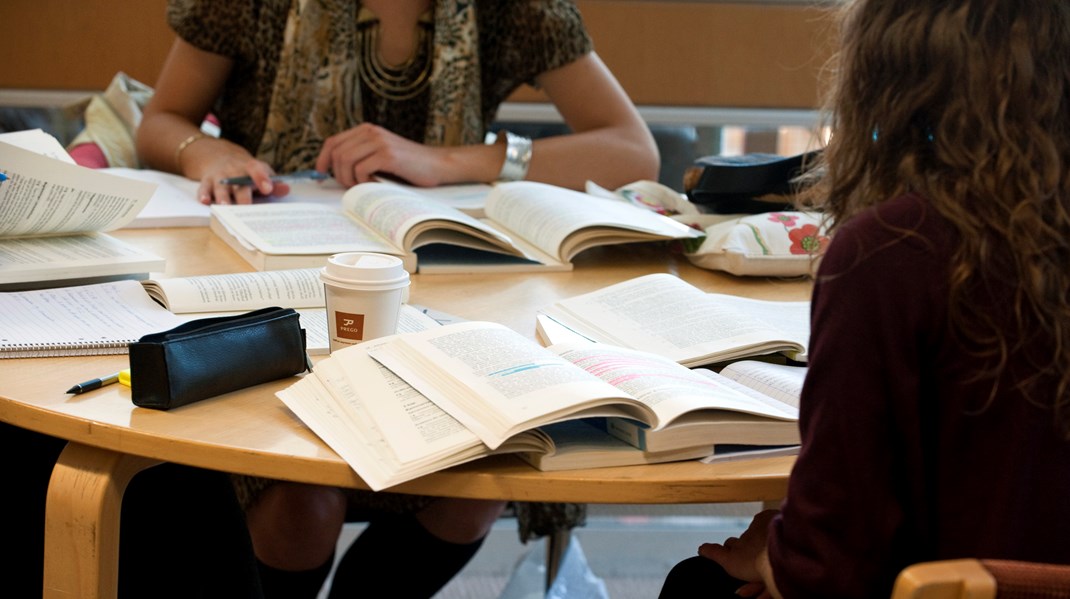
(527, 226)
(472, 389)
(300, 289)
(664, 314)
(777, 386)
(390, 432)
(54, 216)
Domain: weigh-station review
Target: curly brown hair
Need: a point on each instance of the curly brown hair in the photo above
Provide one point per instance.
(967, 104)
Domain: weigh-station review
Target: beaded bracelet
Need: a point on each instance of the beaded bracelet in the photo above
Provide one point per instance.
(517, 157)
(185, 144)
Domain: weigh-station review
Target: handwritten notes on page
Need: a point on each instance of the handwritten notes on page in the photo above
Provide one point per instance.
(79, 321)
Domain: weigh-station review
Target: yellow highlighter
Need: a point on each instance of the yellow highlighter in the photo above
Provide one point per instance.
(124, 377)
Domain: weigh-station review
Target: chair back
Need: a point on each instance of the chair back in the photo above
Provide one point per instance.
(983, 579)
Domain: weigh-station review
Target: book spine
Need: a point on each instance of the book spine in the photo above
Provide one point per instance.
(628, 431)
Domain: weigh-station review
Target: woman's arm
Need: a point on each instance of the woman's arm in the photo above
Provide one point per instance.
(610, 143)
(169, 137)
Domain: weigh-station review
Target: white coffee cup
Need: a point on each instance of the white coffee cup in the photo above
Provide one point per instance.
(364, 294)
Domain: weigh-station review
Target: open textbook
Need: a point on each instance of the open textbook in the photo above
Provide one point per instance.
(175, 203)
(498, 383)
(527, 226)
(300, 289)
(54, 214)
(775, 385)
(389, 432)
(665, 315)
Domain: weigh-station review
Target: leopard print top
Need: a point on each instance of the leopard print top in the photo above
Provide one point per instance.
(516, 42)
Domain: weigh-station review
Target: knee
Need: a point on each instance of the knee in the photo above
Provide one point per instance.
(460, 521)
(295, 526)
(698, 576)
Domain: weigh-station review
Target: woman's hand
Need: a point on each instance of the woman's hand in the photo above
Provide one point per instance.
(358, 154)
(739, 556)
(214, 191)
(213, 160)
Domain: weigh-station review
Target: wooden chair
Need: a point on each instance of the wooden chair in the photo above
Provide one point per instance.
(983, 579)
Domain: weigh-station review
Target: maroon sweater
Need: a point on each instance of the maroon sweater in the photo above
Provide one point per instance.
(901, 460)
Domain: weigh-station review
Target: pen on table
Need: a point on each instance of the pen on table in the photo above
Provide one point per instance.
(123, 376)
(247, 180)
(3, 177)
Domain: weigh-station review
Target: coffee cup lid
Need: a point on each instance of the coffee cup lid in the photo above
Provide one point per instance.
(365, 269)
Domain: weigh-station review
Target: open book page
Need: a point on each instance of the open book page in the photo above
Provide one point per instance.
(665, 315)
(418, 429)
(29, 262)
(46, 196)
(469, 198)
(85, 320)
(301, 289)
(242, 291)
(755, 416)
(299, 229)
(386, 430)
(37, 141)
(792, 319)
(411, 220)
(669, 389)
(497, 382)
(551, 332)
(780, 382)
(173, 204)
(562, 222)
(215, 295)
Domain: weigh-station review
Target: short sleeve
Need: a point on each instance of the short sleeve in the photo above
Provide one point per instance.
(521, 40)
(212, 25)
(558, 36)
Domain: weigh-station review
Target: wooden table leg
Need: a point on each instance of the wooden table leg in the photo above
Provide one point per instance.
(82, 521)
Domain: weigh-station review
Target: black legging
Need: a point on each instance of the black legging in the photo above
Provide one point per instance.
(697, 577)
(385, 550)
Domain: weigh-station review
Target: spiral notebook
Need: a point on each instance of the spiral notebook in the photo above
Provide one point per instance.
(79, 321)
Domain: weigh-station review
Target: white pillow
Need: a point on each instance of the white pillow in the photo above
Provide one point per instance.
(768, 244)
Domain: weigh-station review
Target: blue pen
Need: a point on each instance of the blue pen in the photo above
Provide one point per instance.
(247, 180)
(3, 177)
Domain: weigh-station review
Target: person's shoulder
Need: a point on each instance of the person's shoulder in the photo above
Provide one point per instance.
(897, 233)
(236, 28)
(525, 39)
(908, 217)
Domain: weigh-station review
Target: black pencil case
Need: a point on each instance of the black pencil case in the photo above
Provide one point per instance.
(735, 184)
(212, 356)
